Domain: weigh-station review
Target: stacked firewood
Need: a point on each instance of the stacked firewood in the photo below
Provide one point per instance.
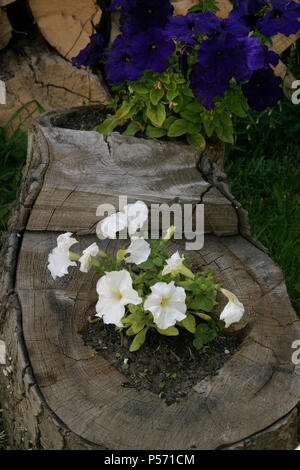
(35, 63)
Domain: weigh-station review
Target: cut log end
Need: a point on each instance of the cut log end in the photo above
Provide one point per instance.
(66, 25)
(5, 29)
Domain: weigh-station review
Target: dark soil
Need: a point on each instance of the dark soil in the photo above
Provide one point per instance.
(167, 366)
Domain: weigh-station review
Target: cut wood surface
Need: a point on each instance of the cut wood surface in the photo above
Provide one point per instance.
(181, 7)
(5, 29)
(71, 398)
(34, 73)
(3, 3)
(66, 24)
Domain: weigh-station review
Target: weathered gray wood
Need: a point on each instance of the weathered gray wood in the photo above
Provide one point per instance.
(71, 397)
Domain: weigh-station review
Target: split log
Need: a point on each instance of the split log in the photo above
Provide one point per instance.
(5, 29)
(35, 73)
(3, 3)
(61, 391)
(66, 24)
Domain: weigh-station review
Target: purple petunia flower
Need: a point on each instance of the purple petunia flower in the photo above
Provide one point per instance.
(141, 15)
(270, 57)
(184, 28)
(222, 58)
(120, 64)
(152, 49)
(206, 92)
(283, 18)
(247, 12)
(92, 53)
(263, 90)
(225, 56)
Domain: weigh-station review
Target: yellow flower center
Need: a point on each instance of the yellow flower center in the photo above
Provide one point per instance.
(117, 294)
(164, 301)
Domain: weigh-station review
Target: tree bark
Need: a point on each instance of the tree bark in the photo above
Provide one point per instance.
(56, 392)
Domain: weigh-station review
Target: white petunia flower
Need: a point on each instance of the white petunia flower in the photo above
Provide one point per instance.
(109, 226)
(136, 214)
(233, 311)
(115, 291)
(59, 258)
(167, 304)
(132, 217)
(175, 266)
(139, 251)
(85, 259)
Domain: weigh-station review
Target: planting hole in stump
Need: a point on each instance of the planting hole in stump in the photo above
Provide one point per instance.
(73, 398)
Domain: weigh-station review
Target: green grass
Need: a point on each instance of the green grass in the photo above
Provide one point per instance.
(263, 169)
(12, 158)
(3, 442)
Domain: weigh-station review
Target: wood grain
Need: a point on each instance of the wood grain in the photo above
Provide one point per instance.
(5, 29)
(66, 25)
(71, 398)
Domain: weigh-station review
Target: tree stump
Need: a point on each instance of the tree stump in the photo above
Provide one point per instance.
(56, 392)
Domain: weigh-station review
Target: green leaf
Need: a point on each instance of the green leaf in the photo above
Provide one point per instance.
(130, 332)
(171, 94)
(139, 88)
(107, 126)
(224, 128)
(158, 262)
(169, 121)
(188, 92)
(156, 95)
(205, 333)
(190, 116)
(208, 123)
(171, 331)
(131, 129)
(236, 101)
(139, 340)
(194, 128)
(95, 262)
(156, 114)
(165, 77)
(189, 323)
(204, 302)
(123, 112)
(178, 128)
(155, 132)
(204, 5)
(138, 326)
(195, 107)
(179, 78)
(196, 140)
(147, 264)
